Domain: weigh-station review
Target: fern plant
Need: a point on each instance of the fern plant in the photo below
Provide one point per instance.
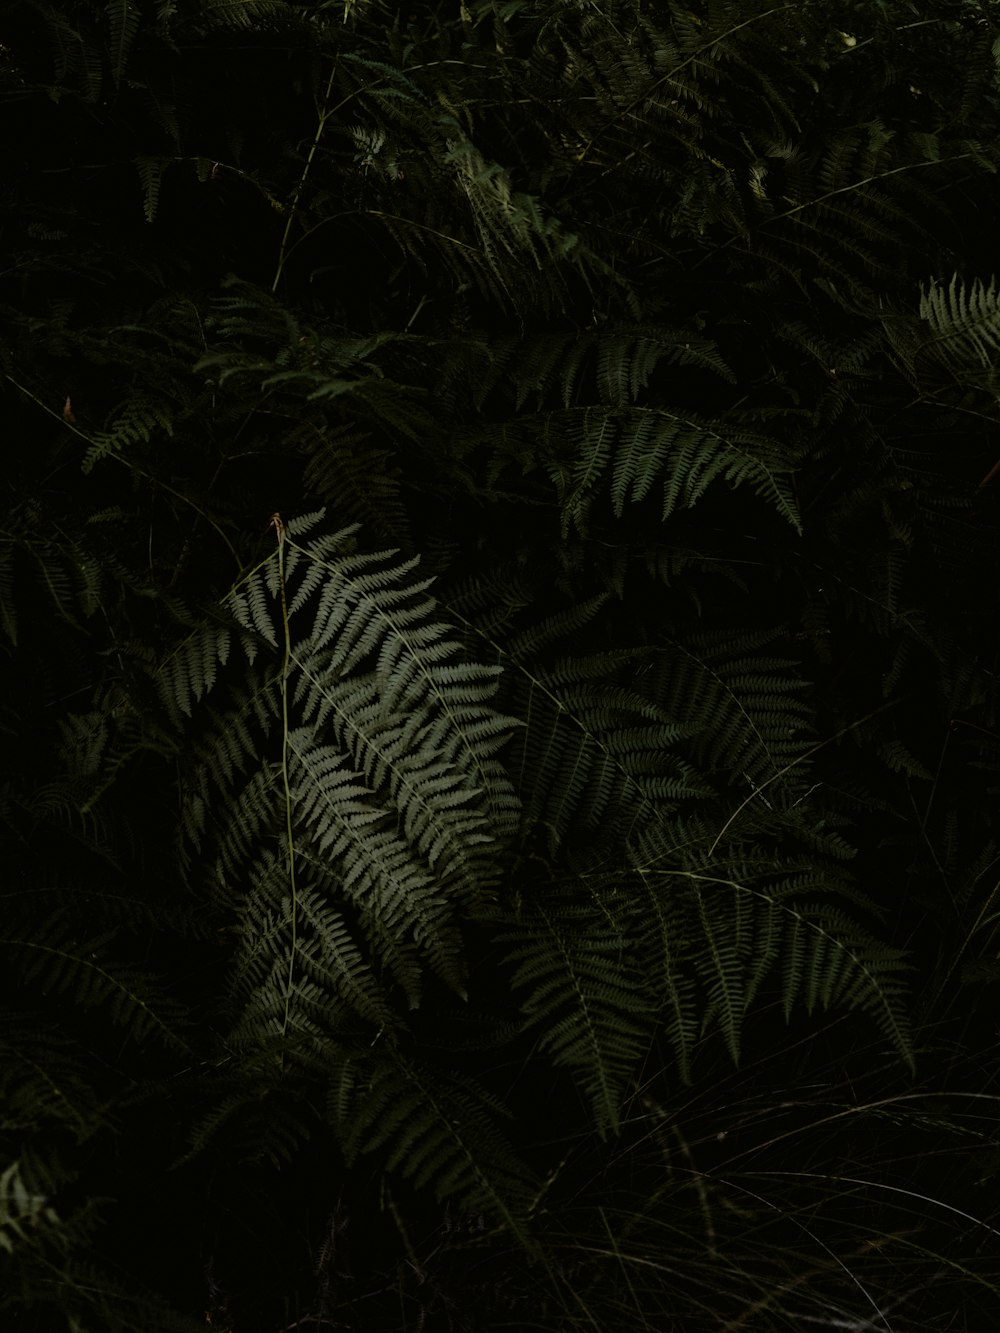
(381, 795)
(348, 808)
(539, 952)
(964, 321)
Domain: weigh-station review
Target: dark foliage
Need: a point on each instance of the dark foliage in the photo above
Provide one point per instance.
(501, 706)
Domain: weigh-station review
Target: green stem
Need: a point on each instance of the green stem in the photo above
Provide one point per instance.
(127, 462)
(619, 116)
(279, 528)
(324, 115)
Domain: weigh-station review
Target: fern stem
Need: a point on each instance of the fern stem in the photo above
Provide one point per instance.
(279, 529)
(324, 114)
(830, 194)
(127, 462)
(672, 75)
(869, 180)
(800, 759)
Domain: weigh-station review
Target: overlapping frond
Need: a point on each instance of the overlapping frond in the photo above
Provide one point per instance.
(716, 941)
(964, 319)
(610, 312)
(742, 700)
(586, 997)
(435, 1128)
(637, 451)
(48, 958)
(595, 755)
(356, 773)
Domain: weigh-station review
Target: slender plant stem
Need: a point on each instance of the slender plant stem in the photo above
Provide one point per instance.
(800, 759)
(127, 462)
(279, 529)
(324, 114)
(672, 74)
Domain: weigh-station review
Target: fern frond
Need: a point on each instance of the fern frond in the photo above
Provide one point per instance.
(43, 1081)
(513, 233)
(70, 575)
(124, 21)
(150, 171)
(363, 606)
(965, 321)
(587, 999)
(346, 468)
(333, 962)
(827, 960)
(191, 672)
(58, 964)
(396, 797)
(435, 1128)
(669, 974)
(138, 418)
(242, 14)
(725, 953)
(745, 704)
(627, 358)
(636, 449)
(397, 898)
(594, 755)
(335, 979)
(718, 939)
(22, 1211)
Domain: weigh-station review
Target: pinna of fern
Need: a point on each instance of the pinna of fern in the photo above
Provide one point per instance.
(354, 763)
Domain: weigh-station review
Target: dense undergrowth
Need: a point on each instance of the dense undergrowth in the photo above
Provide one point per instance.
(499, 598)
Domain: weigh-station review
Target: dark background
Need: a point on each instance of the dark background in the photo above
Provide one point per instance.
(664, 336)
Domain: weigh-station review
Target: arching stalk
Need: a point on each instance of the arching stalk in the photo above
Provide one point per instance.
(279, 529)
(325, 111)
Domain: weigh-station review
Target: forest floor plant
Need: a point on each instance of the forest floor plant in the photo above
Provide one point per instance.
(501, 699)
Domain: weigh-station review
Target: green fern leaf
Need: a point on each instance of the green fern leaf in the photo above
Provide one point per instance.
(743, 703)
(124, 21)
(593, 755)
(586, 998)
(48, 959)
(150, 171)
(965, 321)
(724, 936)
(434, 1128)
(639, 448)
(390, 800)
(138, 418)
(22, 1211)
